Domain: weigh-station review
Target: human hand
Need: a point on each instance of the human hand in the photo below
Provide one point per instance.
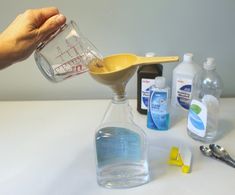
(23, 35)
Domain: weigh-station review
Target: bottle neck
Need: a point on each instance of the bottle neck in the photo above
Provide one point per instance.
(119, 97)
(210, 70)
(119, 111)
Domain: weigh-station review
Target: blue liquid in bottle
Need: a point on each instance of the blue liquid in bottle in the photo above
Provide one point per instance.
(158, 116)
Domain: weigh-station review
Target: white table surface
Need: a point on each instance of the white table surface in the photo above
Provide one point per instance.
(46, 148)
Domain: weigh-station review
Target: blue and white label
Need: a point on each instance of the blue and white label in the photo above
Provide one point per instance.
(183, 92)
(145, 89)
(197, 118)
(158, 115)
(116, 144)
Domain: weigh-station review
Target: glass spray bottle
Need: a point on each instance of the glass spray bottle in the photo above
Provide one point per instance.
(121, 146)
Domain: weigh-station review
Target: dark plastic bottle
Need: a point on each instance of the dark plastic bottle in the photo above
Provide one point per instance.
(145, 79)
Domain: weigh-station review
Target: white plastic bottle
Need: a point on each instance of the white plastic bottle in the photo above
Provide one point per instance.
(182, 82)
(204, 108)
(158, 116)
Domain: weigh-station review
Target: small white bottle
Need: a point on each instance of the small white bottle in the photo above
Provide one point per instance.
(158, 116)
(204, 108)
(182, 80)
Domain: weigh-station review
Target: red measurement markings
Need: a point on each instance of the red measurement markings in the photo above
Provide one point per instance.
(73, 65)
(72, 46)
(60, 53)
(71, 52)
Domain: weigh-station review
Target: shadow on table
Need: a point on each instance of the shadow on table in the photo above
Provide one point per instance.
(157, 162)
(159, 151)
(77, 177)
(225, 127)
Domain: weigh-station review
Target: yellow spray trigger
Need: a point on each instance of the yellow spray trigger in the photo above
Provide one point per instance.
(174, 153)
(181, 157)
(175, 158)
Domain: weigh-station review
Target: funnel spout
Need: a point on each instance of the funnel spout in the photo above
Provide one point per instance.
(119, 89)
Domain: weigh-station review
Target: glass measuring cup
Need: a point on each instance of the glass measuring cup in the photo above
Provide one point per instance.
(66, 53)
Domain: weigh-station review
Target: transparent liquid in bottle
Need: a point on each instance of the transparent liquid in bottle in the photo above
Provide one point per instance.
(121, 149)
(207, 88)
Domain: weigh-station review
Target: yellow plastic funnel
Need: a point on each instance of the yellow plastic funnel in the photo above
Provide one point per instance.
(118, 62)
(116, 70)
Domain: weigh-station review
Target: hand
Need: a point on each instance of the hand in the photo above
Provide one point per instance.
(23, 35)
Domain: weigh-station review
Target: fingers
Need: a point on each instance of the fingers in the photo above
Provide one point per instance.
(51, 25)
(44, 14)
(43, 22)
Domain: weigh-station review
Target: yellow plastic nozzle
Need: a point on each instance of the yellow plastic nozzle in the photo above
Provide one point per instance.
(185, 169)
(174, 153)
(175, 158)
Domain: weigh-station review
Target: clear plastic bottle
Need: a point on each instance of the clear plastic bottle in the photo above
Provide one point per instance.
(182, 81)
(204, 108)
(121, 148)
(158, 116)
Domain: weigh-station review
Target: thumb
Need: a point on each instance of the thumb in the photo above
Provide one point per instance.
(51, 25)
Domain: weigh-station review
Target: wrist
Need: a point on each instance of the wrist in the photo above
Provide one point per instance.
(7, 52)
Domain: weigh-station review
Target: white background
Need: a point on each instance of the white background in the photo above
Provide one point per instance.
(205, 28)
(47, 148)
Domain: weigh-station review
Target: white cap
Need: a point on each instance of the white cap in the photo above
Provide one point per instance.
(160, 82)
(209, 64)
(150, 54)
(188, 57)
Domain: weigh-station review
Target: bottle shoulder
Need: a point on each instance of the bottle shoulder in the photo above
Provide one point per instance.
(151, 68)
(186, 69)
(155, 89)
(211, 76)
(208, 79)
